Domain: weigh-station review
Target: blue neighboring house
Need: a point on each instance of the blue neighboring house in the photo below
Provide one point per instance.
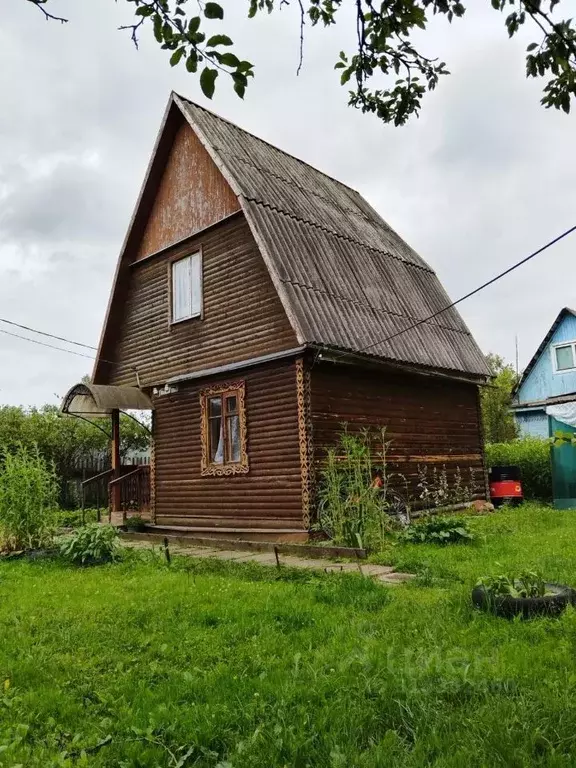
(546, 392)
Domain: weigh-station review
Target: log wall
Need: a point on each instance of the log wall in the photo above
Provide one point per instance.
(269, 495)
(242, 314)
(432, 423)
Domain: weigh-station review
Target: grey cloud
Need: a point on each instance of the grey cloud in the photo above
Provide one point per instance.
(72, 202)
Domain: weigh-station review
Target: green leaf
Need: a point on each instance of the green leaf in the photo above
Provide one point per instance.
(532, 46)
(192, 62)
(194, 25)
(208, 81)
(239, 83)
(229, 60)
(219, 40)
(213, 11)
(158, 28)
(345, 76)
(177, 56)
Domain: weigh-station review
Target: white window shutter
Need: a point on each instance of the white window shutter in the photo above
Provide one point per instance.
(181, 289)
(196, 284)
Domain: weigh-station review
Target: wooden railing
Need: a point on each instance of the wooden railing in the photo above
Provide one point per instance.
(134, 491)
(133, 496)
(98, 485)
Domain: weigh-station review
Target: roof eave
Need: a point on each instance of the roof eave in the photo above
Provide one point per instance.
(347, 357)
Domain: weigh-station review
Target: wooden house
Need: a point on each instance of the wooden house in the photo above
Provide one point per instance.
(258, 304)
(547, 387)
(544, 403)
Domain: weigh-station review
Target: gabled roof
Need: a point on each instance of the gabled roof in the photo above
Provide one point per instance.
(561, 315)
(346, 279)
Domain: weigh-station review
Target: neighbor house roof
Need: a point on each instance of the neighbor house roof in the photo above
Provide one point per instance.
(561, 315)
(347, 280)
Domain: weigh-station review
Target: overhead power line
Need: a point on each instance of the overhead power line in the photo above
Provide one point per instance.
(468, 295)
(49, 335)
(44, 344)
(53, 346)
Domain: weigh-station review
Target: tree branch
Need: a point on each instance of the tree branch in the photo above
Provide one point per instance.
(48, 16)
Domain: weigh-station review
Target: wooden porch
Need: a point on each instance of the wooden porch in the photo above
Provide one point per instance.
(121, 494)
(124, 489)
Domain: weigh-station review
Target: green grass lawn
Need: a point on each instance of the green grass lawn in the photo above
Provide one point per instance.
(211, 664)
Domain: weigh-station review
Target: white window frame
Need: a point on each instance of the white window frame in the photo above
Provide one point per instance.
(555, 360)
(196, 311)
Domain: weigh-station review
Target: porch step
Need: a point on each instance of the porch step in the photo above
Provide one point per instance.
(229, 534)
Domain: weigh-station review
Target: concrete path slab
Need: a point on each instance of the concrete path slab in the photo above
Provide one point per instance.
(382, 573)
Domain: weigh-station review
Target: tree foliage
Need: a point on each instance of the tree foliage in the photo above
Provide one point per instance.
(64, 440)
(390, 74)
(498, 420)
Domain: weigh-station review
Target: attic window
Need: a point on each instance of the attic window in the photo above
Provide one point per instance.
(186, 288)
(223, 433)
(564, 357)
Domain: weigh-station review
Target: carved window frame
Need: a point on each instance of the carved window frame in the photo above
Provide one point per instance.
(238, 389)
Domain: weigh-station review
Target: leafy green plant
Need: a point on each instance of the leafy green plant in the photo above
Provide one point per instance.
(93, 543)
(352, 509)
(72, 518)
(135, 523)
(438, 530)
(28, 500)
(532, 455)
(525, 584)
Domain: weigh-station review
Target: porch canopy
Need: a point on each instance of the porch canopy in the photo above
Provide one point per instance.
(93, 400)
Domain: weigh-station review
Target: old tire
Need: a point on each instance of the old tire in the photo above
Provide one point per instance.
(527, 607)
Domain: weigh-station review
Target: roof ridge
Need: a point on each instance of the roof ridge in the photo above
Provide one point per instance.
(368, 305)
(336, 234)
(268, 143)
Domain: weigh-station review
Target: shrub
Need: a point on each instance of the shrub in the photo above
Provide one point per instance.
(532, 455)
(93, 543)
(135, 523)
(351, 509)
(438, 530)
(72, 518)
(28, 500)
(526, 584)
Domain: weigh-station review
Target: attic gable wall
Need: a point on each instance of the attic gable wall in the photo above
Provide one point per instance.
(542, 383)
(191, 196)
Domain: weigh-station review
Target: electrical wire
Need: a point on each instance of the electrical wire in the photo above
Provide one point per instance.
(462, 298)
(49, 335)
(52, 346)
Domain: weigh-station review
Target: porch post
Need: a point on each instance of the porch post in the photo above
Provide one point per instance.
(115, 497)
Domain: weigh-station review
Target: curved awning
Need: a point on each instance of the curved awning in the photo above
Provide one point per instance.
(98, 400)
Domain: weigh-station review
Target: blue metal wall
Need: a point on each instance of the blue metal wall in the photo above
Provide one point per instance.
(533, 423)
(542, 382)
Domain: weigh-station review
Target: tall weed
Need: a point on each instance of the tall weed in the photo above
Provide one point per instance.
(532, 455)
(351, 509)
(28, 499)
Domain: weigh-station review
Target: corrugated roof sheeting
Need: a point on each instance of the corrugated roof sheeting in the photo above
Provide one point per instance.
(268, 175)
(350, 280)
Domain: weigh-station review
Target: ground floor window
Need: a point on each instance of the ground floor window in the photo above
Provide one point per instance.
(224, 439)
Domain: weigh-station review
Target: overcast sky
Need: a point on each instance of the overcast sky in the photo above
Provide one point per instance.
(483, 178)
